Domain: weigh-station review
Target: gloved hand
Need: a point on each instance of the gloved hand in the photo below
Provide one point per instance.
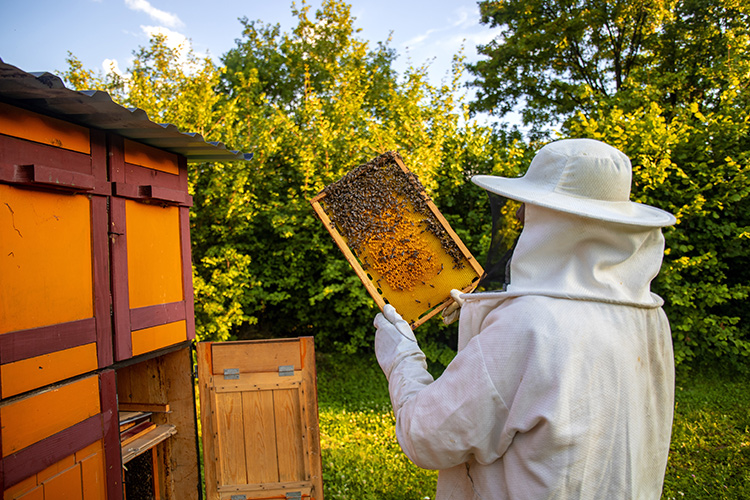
(451, 313)
(394, 339)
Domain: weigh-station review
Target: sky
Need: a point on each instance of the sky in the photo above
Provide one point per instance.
(36, 35)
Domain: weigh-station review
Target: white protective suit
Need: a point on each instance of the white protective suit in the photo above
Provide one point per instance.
(563, 385)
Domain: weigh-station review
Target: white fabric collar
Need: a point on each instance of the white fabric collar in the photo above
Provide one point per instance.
(567, 256)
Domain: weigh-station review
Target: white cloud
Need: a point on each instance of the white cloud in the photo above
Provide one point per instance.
(173, 38)
(175, 41)
(166, 18)
(111, 66)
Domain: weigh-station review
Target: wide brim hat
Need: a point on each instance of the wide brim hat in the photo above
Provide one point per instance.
(583, 177)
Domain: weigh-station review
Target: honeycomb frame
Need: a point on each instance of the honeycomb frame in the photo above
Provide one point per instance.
(395, 238)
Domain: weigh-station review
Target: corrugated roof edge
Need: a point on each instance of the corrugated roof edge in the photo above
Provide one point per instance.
(46, 93)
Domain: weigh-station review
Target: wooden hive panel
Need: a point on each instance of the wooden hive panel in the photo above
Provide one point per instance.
(260, 422)
(54, 277)
(58, 442)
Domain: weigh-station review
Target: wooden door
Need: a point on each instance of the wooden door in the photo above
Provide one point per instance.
(259, 417)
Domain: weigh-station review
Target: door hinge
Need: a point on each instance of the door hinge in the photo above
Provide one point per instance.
(231, 373)
(286, 370)
(294, 495)
(238, 497)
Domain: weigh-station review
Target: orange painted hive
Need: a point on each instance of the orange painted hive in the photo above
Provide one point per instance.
(393, 235)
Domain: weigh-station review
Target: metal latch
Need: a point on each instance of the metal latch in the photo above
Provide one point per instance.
(294, 495)
(286, 370)
(231, 374)
(238, 497)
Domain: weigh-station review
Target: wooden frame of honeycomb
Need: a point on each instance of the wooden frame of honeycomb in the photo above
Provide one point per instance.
(395, 238)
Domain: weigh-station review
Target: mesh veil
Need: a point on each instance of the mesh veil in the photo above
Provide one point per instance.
(497, 264)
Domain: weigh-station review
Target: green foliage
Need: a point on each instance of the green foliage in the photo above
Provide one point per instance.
(688, 134)
(667, 83)
(311, 105)
(559, 56)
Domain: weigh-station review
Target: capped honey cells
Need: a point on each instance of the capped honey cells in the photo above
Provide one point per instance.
(382, 211)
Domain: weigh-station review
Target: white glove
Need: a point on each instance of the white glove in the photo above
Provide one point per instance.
(451, 313)
(394, 339)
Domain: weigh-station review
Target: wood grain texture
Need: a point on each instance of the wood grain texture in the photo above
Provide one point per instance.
(254, 357)
(45, 259)
(24, 124)
(41, 415)
(260, 437)
(32, 373)
(230, 429)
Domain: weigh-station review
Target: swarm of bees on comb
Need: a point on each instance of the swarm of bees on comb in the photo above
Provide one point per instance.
(402, 246)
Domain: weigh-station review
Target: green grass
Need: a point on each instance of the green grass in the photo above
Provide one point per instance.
(361, 457)
(710, 450)
(709, 458)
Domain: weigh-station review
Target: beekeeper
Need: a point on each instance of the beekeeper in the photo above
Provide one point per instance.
(563, 384)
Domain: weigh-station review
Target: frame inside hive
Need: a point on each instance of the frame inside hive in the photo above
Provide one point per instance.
(394, 237)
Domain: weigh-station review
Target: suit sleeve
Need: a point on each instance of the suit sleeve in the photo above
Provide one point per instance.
(443, 423)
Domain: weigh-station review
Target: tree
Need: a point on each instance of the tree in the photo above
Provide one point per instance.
(681, 115)
(313, 104)
(557, 57)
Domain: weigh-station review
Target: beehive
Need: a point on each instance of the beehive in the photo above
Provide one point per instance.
(395, 238)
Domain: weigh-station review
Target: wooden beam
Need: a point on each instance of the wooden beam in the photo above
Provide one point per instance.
(153, 407)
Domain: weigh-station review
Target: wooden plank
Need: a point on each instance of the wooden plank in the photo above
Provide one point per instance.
(143, 407)
(46, 177)
(289, 435)
(99, 155)
(22, 488)
(42, 415)
(93, 477)
(154, 254)
(150, 157)
(146, 441)
(24, 344)
(39, 456)
(16, 155)
(258, 381)
(155, 474)
(18, 122)
(182, 476)
(56, 468)
(33, 373)
(45, 258)
(230, 430)
(64, 486)
(448, 229)
(123, 348)
(151, 339)
(35, 494)
(111, 434)
(309, 397)
(253, 357)
(90, 450)
(100, 252)
(187, 267)
(209, 435)
(137, 432)
(348, 254)
(267, 491)
(260, 437)
(159, 314)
